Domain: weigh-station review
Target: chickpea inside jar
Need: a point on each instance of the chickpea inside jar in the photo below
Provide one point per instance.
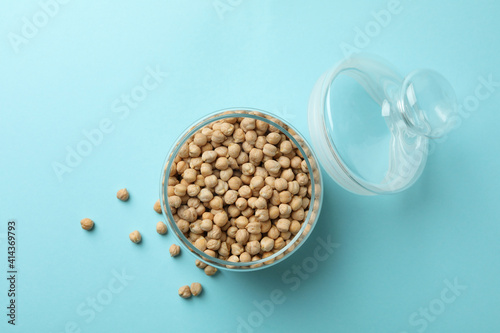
(241, 189)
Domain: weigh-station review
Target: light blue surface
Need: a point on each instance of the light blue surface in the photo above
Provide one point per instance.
(397, 253)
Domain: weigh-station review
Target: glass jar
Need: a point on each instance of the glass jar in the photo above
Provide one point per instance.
(314, 205)
(370, 127)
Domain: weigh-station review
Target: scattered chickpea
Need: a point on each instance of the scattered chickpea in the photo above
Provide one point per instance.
(184, 292)
(196, 288)
(87, 224)
(210, 270)
(161, 228)
(122, 194)
(157, 206)
(135, 236)
(174, 250)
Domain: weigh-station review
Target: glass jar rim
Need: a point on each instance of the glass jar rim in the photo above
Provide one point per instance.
(291, 133)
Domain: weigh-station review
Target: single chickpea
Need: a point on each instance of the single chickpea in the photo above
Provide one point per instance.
(285, 197)
(209, 270)
(216, 203)
(224, 249)
(189, 175)
(200, 264)
(241, 203)
(233, 211)
(284, 162)
(246, 179)
(273, 232)
(194, 150)
(234, 150)
(285, 210)
(193, 190)
(254, 227)
(266, 192)
(266, 244)
(245, 257)
(225, 175)
(208, 156)
(255, 237)
(184, 292)
(218, 137)
(237, 249)
(220, 219)
(303, 191)
(251, 137)
(87, 224)
(214, 233)
(257, 183)
(180, 190)
(262, 215)
(273, 138)
(303, 166)
(161, 228)
(221, 151)
(255, 156)
(283, 225)
(135, 236)
(261, 172)
(221, 187)
(201, 244)
(286, 235)
(269, 180)
(211, 181)
(275, 198)
(200, 181)
(245, 192)
(269, 150)
(242, 158)
(205, 195)
(248, 169)
(286, 147)
(247, 124)
(172, 181)
(122, 194)
(183, 225)
(242, 236)
(302, 179)
(296, 203)
(230, 197)
(273, 167)
(260, 203)
(288, 175)
(184, 151)
(251, 202)
(299, 214)
(295, 162)
(200, 139)
(305, 203)
(261, 126)
(213, 244)
(239, 135)
(206, 225)
(295, 227)
(196, 288)
(233, 164)
(280, 184)
(157, 206)
(227, 129)
(279, 243)
(222, 163)
(274, 212)
(234, 183)
(195, 228)
(260, 142)
(253, 247)
(240, 222)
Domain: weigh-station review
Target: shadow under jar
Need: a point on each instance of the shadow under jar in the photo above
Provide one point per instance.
(315, 183)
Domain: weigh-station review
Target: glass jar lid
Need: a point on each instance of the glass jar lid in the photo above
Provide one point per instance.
(371, 127)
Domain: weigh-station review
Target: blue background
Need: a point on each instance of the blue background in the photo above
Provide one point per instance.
(396, 252)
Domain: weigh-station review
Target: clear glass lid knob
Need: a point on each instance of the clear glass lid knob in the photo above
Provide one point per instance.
(371, 126)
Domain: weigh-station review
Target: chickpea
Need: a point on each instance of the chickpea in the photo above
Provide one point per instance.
(266, 244)
(273, 138)
(255, 156)
(253, 247)
(241, 203)
(220, 219)
(273, 167)
(237, 249)
(269, 150)
(240, 222)
(245, 191)
(257, 183)
(225, 175)
(234, 150)
(262, 215)
(193, 190)
(285, 210)
(242, 236)
(208, 156)
(242, 158)
(285, 197)
(248, 169)
(211, 181)
(205, 195)
(247, 124)
(234, 183)
(274, 212)
(288, 175)
(227, 129)
(295, 227)
(233, 211)
(238, 135)
(183, 225)
(230, 197)
(283, 225)
(302, 179)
